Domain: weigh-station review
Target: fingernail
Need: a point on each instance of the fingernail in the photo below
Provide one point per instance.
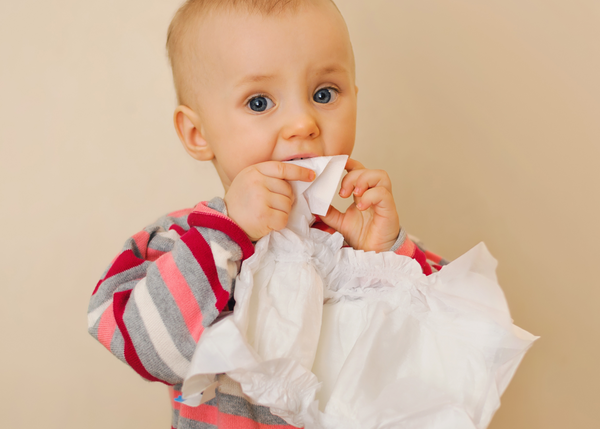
(312, 176)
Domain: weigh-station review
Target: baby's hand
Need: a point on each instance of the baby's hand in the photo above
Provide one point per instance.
(259, 199)
(371, 222)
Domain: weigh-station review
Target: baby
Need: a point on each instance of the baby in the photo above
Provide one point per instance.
(259, 82)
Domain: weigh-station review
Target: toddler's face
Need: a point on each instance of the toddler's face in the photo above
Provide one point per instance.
(278, 87)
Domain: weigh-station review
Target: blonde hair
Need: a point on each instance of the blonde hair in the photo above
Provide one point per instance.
(181, 53)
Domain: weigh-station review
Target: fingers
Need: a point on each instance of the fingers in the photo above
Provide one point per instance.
(280, 170)
(358, 180)
(279, 202)
(278, 186)
(334, 218)
(379, 198)
(353, 164)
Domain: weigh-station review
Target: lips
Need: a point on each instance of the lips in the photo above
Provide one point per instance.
(300, 156)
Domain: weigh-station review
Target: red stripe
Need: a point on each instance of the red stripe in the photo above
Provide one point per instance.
(97, 286)
(203, 254)
(120, 300)
(217, 221)
(177, 228)
(124, 262)
(420, 257)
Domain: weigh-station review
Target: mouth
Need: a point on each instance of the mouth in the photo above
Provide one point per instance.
(300, 156)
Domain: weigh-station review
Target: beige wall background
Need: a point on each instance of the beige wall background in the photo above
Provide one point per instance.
(485, 114)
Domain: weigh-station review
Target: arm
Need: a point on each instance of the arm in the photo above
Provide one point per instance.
(170, 281)
(404, 246)
(429, 261)
(371, 222)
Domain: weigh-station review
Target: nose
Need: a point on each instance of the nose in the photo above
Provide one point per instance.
(301, 124)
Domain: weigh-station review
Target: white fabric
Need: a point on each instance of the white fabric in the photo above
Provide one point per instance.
(315, 197)
(331, 337)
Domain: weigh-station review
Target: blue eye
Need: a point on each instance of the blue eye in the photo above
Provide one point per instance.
(260, 103)
(325, 95)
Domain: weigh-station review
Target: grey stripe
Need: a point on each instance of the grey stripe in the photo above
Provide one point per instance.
(174, 418)
(218, 204)
(117, 345)
(165, 222)
(130, 244)
(196, 279)
(143, 346)
(170, 313)
(162, 244)
(238, 406)
(179, 221)
(399, 241)
(226, 243)
(117, 283)
(184, 423)
(93, 330)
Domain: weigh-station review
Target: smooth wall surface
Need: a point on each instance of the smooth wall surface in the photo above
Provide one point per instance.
(485, 114)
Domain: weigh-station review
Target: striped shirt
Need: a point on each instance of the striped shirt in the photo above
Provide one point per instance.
(169, 282)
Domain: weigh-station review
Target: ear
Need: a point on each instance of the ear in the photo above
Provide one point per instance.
(187, 125)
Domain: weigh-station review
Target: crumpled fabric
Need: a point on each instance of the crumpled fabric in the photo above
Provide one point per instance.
(329, 337)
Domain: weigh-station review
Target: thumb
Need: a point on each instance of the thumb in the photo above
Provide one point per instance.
(334, 218)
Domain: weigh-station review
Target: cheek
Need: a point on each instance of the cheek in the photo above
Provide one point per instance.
(344, 133)
(244, 145)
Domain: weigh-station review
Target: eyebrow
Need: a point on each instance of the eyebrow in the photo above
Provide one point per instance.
(263, 77)
(254, 78)
(330, 70)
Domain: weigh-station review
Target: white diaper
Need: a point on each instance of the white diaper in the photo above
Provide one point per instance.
(331, 337)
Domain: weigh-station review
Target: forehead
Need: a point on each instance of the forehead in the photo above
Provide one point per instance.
(312, 39)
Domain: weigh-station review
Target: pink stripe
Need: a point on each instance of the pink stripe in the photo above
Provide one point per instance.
(183, 296)
(202, 413)
(407, 248)
(106, 327)
(212, 415)
(153, 254)
(141, 241)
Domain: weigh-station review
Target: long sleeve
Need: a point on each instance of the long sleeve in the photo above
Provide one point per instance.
(169, 282)
(412, 247)
(405, 245)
